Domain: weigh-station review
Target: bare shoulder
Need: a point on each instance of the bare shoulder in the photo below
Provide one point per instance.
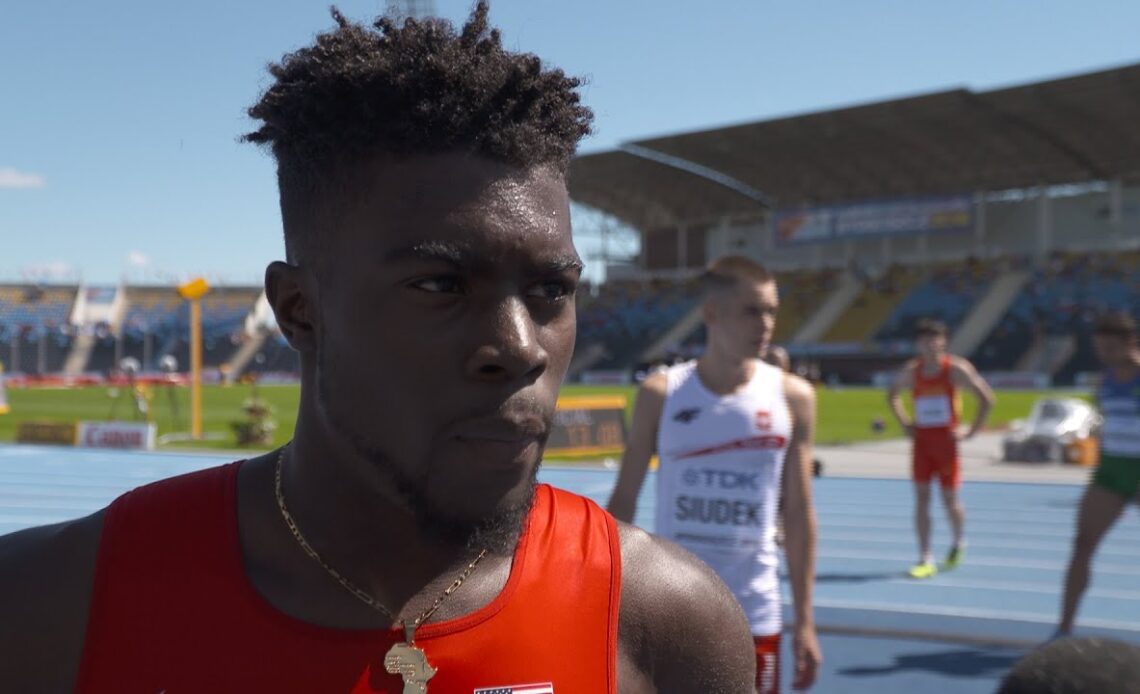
(798, 391)
(46, 576)
(655, 384)
(680, 628)
(961, 364)
(650, 403)
(904, 376)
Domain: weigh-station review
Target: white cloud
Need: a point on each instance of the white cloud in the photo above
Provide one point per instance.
(138, 259)
(11, 178)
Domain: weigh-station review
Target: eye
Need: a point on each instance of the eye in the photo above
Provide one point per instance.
(443, 284)
(555, 290)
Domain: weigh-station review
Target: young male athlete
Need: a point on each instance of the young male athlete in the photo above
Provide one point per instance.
(1116, 482)
(724, 427)
(400, 542)
(934, 379)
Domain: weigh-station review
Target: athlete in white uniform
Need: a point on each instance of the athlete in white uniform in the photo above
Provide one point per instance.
(725, 427)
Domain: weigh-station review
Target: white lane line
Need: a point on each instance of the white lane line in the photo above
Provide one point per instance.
(1013, 587)
(1068, 522)
(970, 612)
(975, 560)
(908, 541)
(971, 529)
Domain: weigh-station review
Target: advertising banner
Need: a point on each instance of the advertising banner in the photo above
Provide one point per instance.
(1028, 380)
(588, 425)
(133, 435)
(54, 433)
(861, 219)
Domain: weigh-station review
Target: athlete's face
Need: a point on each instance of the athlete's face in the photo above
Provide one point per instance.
(447, 324)
(931, 345)
(1114, 351)
(743, 319)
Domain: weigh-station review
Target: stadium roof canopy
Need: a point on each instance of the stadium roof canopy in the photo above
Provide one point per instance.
(1076, 129)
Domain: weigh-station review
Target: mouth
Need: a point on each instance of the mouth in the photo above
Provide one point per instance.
(502, 441)
(501, 430)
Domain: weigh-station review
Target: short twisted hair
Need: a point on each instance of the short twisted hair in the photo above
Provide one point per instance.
(420, 87)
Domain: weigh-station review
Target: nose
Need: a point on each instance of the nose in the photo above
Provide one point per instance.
(508, 348)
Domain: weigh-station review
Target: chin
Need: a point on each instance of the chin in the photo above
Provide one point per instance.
(481, 513)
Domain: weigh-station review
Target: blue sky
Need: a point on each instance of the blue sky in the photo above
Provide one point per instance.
(119, 119)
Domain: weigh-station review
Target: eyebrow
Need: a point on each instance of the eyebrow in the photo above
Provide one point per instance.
(446, 251)
(461, 255)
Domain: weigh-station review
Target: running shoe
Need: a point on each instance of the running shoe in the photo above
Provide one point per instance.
(924, 570)
(954, 558)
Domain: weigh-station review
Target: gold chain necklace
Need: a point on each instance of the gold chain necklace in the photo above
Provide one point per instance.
(402, 659)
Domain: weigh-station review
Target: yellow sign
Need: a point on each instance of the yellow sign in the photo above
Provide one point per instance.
(194, 289)
(59, 433)
(590, 425)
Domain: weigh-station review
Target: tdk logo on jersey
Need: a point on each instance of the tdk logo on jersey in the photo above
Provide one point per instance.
(720, 479)
(687, 415)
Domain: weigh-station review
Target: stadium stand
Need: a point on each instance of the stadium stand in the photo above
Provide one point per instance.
(626, 316)
(947, 191)
(946, 188)
(223, 316)
(276, 356)
(154, 314)
(948, 293)
(1063, 299)
(157, 324)
(35, 330)
(801, 294)
(879, 298)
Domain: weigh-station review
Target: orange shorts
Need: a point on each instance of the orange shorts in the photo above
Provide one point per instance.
(935, 454)
(767, 664)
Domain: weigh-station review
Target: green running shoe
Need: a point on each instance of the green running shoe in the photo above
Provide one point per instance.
(954, 558)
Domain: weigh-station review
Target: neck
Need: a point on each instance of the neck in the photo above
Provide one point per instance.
(723, 373)
(351, 514)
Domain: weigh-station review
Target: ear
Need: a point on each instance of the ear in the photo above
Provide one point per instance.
(291, 295)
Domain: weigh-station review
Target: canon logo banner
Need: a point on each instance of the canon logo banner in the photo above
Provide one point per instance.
(134, 435)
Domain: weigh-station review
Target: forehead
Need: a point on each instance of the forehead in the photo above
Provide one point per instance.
(492, 206)
(753, 292)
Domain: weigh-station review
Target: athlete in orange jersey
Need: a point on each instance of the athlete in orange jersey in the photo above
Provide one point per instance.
(934, 379)
(400, 542)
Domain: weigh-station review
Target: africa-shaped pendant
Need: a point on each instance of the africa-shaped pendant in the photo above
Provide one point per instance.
(410, 663)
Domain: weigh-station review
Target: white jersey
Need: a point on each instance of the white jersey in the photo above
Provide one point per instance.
(718, 483)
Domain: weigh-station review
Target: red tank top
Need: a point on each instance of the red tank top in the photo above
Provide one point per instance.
(935, 399)
(172, 610)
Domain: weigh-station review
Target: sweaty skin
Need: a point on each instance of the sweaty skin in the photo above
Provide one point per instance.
(434, 334)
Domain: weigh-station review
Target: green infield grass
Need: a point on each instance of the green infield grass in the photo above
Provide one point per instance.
(845, 415)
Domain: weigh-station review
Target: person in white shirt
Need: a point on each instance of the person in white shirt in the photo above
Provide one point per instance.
(730, 431)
